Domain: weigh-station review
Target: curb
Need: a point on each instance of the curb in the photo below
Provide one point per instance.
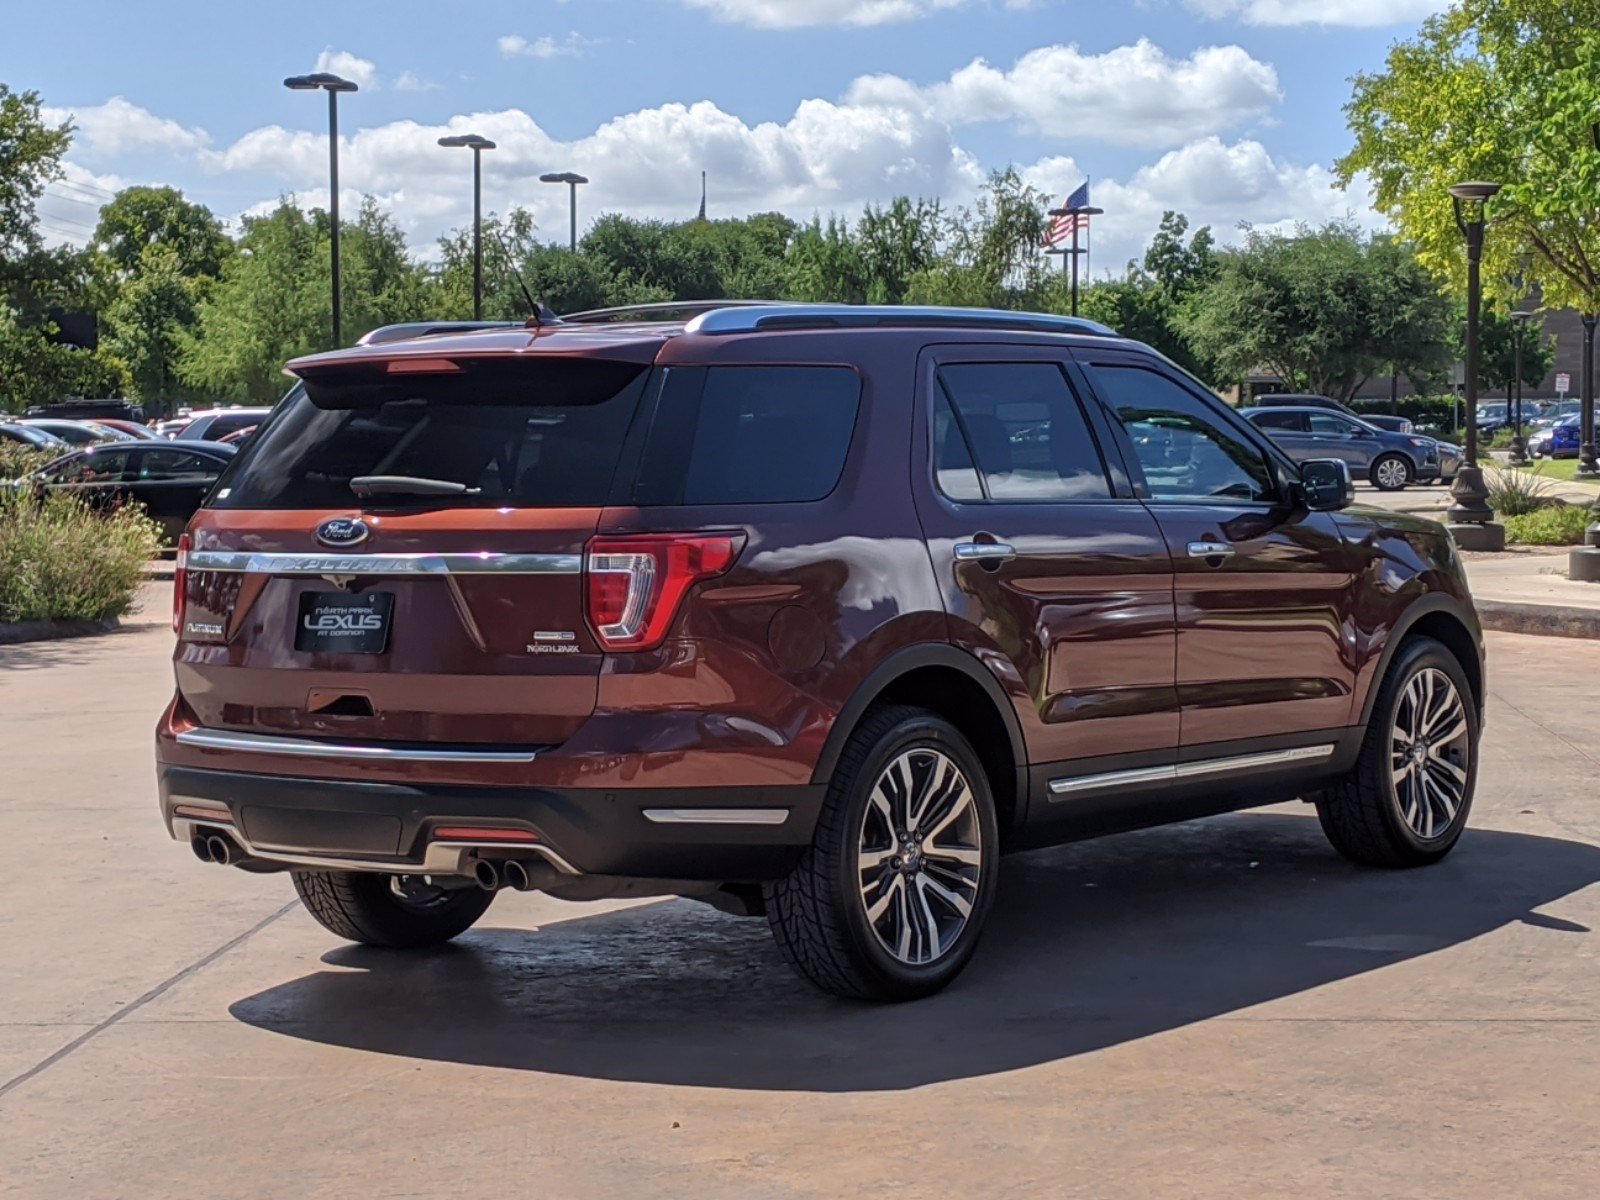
(1547, 620)
(16, 632)
(159, 569)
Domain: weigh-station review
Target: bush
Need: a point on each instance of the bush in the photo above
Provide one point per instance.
(1517, 493)
(61, 560)
(1561, 525)
(17, 460)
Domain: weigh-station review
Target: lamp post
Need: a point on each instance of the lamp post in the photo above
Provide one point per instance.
(1471, 518)
(572, 179)
(477, 145)
(1079, 213)
(1583, 562)
(333, 85)
(1519, 446)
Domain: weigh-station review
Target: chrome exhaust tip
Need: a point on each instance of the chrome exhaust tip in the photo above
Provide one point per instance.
(487, 875)
(219, 849)
(201, 848)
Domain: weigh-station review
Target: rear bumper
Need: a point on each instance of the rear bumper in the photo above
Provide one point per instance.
(718, 835)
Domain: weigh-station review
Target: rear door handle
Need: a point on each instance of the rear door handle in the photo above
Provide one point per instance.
(1210, 550)
(973, 551)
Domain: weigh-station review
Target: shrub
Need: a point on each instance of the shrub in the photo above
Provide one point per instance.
(1559, 525)
(61, 560)
(1516, 493)
(17, 459)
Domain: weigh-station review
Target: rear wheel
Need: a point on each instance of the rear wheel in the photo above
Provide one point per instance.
(889, 900)
(1390, 472)
(401, 911)
(1406, 802)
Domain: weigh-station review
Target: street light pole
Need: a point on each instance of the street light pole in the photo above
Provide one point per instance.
(1519, 445)
(572, 179)
(1588, 468)
(333, 85)
(477, 145)
(1471, 517)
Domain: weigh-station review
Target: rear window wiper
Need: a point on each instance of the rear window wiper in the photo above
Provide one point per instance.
(408, 485)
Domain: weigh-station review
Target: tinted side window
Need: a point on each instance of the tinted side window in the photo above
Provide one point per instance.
(749, 435)
(1331, 425)
(1186, 450)
(952, 460)
(171, 466)
(1026, 430)
(98, 466)
(1270, 419)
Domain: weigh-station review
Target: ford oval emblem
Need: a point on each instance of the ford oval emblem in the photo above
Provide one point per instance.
(342, 531)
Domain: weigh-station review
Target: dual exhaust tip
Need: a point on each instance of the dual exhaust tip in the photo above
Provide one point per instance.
(520, 876)
(215, 848)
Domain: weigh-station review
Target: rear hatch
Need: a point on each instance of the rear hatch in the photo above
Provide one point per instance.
(397, 556)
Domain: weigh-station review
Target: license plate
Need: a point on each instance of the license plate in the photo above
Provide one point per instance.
(339, 623)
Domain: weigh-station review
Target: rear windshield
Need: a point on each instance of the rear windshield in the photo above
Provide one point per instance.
(544, 434)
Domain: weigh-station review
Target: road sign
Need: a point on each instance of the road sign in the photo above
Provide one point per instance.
(1563, 384)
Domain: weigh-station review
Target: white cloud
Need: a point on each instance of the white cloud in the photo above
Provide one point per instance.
(1350, 13)
(797, 14)
(120, 127)
(410, 81)
(1222, 185)
(1131, 94)
(69, 209)
(514, 45)
(361, 71)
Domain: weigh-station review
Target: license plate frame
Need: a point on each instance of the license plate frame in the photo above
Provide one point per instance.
(342, 623)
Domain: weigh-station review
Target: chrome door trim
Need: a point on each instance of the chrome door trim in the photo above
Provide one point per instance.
(1073, 785)
(255, 743)
(717, 816)
(483, 563)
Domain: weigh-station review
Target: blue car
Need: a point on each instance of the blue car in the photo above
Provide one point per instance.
(1558, 441)
(1389, 460)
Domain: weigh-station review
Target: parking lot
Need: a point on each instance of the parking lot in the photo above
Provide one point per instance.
(1224, 1008)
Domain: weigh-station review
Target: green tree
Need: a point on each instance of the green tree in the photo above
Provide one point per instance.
(36, 368)
(1503, 90)
(989, 252)
(147, 324)
(1322, 309)
(1497, 349)
(140, 217)
(30, 158)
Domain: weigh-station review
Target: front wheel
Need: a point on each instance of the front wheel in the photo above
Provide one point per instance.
(399, 911)
(1390, 473)
(890, 898)
(1406, 802)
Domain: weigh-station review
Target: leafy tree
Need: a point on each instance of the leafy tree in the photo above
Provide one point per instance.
(147, 324)
(35, 368)
(1497, 350)
(1504, 90)
(990, 252)
(140, 217)
(30, 158)
(1323, 309)
(1177, 268)
(825, 263)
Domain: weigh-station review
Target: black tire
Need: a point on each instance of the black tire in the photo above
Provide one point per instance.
(1363, 814)
(1381, 467)
(365, 907)
(819, 914)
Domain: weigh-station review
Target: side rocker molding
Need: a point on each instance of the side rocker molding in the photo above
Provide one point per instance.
(903, 662)
(1425, 606)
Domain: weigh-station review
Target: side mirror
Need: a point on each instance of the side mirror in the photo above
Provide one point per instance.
(1325, 484)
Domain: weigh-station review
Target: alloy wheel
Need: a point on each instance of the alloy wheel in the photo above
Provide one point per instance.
(1392, 473)
(1430, 753)
(920, 856)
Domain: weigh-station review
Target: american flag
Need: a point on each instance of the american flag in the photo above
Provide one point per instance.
(1061, 227)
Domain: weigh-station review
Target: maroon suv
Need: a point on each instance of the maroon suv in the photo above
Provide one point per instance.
(809, 611)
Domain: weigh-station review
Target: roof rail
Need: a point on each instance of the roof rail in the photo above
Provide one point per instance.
(750, 318)
(662, 310)
(415, 329)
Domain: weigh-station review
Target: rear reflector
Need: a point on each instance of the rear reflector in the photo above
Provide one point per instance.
(195, 812)
(180, 582)
(468, 833)
(635, 585)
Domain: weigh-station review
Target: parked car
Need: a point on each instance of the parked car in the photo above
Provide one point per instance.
(772, 608)
(133, 429)
(77, 433)
(1389, 460)
(89, 410)
(1311, 400)
(168, 478)
(1492, 418)
(173, 427)
(1561, 440)
(1384, 421)
(238, 436)
(214, 424)
(30, 435)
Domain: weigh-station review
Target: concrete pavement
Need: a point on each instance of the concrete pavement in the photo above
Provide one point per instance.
(1214, 1009)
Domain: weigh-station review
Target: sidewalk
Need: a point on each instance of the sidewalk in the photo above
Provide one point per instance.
(1525, 589)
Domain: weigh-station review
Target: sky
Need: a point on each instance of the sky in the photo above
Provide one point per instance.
(1226, 110)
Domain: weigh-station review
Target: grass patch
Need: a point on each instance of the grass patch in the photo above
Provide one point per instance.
(1562, 525)
(60, 560)
(1554, 468)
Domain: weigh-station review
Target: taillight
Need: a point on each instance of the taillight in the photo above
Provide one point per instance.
(180, 582)
(635, 584)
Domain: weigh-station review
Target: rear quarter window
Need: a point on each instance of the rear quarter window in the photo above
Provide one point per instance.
(749, 435)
